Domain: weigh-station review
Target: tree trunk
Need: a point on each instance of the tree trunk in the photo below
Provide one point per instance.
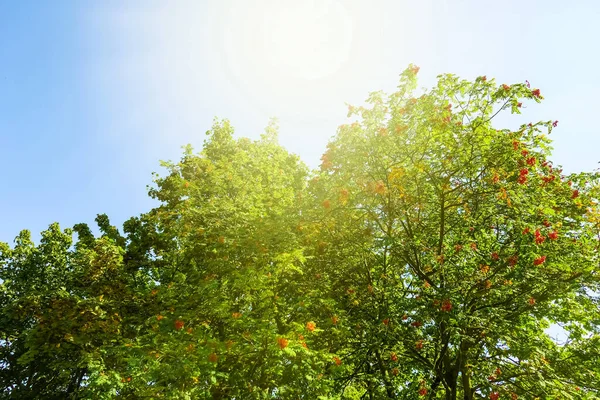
(466, 383)
(388, 386)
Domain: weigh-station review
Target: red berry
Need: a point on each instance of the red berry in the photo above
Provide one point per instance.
(179, 324)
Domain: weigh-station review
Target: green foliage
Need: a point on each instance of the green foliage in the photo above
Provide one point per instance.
(451, 245)
(426, 258)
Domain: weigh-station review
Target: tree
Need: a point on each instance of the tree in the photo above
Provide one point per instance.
(62, 313)
(448, 247)
(424, 259)
(227, 323)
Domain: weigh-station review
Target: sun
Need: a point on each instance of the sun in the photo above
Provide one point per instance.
(283, 41)
(307, 40)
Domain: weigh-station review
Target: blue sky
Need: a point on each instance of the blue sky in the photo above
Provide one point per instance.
(94, 93)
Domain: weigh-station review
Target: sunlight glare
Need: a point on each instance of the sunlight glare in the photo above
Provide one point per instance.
(306, 40)
(278, 47)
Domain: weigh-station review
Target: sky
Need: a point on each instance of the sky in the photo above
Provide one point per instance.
(93, 94)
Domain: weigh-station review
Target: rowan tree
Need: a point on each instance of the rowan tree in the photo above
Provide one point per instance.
(426, 258)
(448, 246)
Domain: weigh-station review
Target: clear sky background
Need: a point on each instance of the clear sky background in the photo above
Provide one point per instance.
(94, 93)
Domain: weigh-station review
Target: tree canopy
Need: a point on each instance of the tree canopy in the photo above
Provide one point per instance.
(425, 258)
